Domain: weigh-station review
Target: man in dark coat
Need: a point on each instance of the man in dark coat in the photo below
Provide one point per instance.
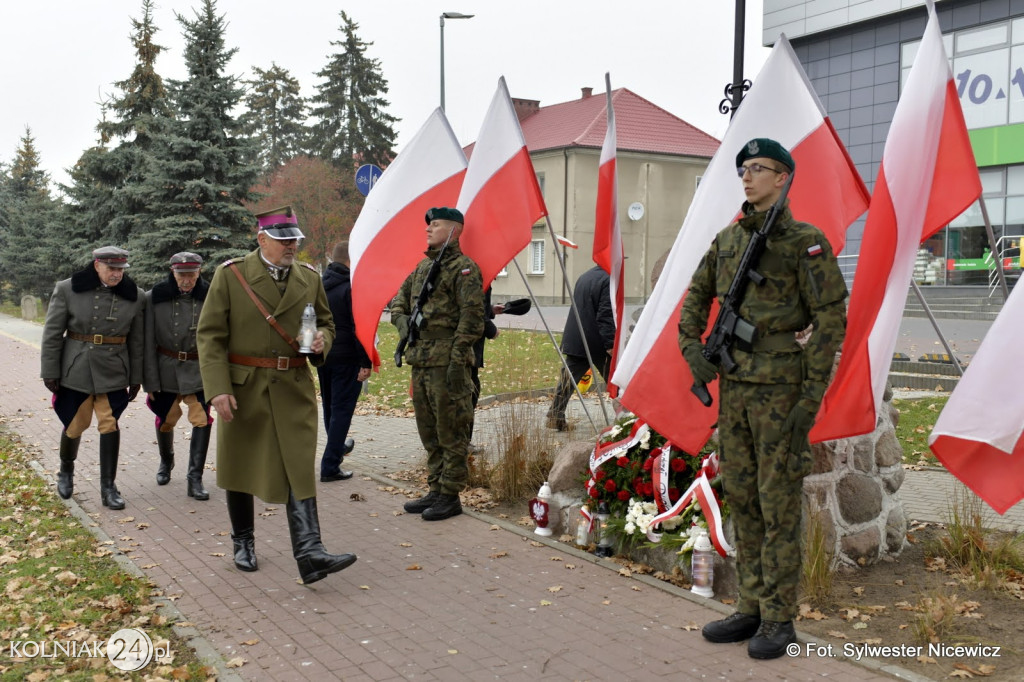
(263, 390)
(346, 368)
(92, 361)
(172, 367)
(592, 298)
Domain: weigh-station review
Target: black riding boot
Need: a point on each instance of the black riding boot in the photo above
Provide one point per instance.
(313, 559)
(196, 461)
(240, 511)
(68, 454)
(110, 446)
(165, 442)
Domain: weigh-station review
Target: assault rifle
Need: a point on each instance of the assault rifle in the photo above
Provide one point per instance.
(731, 329)
(416, 315)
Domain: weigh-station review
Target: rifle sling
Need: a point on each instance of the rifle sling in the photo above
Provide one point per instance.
(271, 320)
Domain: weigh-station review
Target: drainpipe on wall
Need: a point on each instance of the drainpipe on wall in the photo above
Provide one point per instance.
(565, 218)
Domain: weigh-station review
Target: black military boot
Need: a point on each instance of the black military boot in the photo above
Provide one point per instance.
(735, 628)
(110, 446)
(445, 507)
(240, 511)
(771, 639)
(313, 559)
(165, 443)
(196, 461)
(68, 454)
(421, 505)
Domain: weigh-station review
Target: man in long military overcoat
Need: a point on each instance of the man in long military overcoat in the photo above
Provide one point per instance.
(768, 402)
(172, 367)
(92, 361)
(262, 389)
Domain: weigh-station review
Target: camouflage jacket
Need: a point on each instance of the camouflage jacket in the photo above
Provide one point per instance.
(803, 286)
(453, 316)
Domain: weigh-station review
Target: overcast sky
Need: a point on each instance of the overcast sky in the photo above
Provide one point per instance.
(61, 57)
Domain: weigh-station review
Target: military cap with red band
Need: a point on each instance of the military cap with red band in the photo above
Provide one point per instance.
(280, 223)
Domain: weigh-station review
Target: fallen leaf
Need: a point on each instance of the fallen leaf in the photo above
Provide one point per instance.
(498, 555)
(250, 642)
(364, 587)
(414, 567)
(235, 663)
(837, 634)
(453, 651)
(405, 544)
(555, 588)
(860, 626)
(859, 591)
(545, 602)
(356, 497)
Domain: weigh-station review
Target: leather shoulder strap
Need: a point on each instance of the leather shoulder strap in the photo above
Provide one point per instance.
(271, 320)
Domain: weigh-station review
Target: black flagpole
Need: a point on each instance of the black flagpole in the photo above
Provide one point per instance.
(734, 91)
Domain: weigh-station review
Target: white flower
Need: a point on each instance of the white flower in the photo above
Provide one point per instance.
(616, 430)
(630, 528)
(645, 440)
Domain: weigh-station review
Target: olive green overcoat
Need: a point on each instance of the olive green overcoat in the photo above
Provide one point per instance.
(270, 445)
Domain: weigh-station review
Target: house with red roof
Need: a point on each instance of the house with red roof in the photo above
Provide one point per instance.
(660, 160)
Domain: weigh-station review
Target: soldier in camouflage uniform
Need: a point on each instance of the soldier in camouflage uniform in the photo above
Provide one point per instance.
(442, 358)
(768, 404)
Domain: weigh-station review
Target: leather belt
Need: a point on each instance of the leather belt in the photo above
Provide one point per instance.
(281, 362)
(179, 355)
(98, 339)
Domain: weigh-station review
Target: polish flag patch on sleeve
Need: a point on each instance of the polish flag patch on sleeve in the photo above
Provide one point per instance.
(814, 250)
(467, 271)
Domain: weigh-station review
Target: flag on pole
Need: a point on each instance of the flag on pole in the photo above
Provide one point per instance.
(500, 197)
(607, 235)
(979, 445)
(827, 192)
(927, 178)
(389, 238)
(565, 241)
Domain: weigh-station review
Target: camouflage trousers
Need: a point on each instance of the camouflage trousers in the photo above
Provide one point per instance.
(764, 489)
(445, 423)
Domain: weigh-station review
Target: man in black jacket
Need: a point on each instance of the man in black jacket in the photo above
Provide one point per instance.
(592, 299)
(346, 367)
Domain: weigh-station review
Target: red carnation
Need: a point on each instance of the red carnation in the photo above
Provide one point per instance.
(594, 492)
(673, 494)
(678, 464)
(609, 485)
(648, 464)
(600, 474)
(623, 495)
(622, 462)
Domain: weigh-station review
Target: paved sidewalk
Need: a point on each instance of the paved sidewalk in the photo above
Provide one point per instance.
(465, 599)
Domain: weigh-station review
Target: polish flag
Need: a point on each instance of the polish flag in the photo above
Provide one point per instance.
(500, 198)
(607, 235)
(827, 191)
(389, 236)
(981, 446)
(565, 241)
(927, 178)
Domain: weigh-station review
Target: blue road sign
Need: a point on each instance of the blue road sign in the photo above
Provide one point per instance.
(366, 177)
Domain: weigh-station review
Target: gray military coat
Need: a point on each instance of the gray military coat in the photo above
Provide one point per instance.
(270, 445)
(172, 319)
(82, 305)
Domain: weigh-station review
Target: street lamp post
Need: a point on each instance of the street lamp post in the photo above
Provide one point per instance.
(448, 15)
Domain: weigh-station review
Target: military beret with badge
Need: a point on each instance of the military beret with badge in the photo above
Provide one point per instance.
(766, 148)
(445, 213)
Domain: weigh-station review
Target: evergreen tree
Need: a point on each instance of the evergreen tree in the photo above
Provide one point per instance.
(275, 117)
(352, 124)
(202, 167)
(108, 201)
(30, 252)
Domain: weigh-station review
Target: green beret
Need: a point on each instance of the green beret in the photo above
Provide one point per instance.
(763, 147)
(445, 213)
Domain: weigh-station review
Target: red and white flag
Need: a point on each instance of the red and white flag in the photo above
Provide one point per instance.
(927, 178)
(500, 197)
(389, 236)
(982, 446)
(565, 241)
(827, 191)
(607, 235)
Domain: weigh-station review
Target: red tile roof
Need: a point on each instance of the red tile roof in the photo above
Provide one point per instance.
(641, 126)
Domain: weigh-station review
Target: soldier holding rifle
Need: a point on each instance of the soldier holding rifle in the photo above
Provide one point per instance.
(773, 277)
(439, 315)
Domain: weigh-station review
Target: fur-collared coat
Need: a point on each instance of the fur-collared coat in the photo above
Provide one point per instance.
(172, 319)
(81, 304)
(270, 445)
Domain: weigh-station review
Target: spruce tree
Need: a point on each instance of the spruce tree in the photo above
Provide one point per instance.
(352, 124)
(202, 167)
(30, 253)
(108, 201)
(276, 115)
